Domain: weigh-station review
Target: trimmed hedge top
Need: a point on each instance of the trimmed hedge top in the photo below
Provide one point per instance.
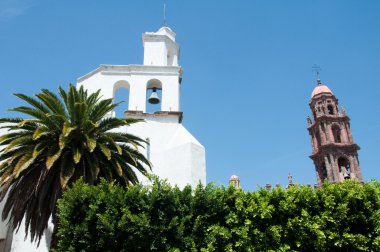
(108, 217)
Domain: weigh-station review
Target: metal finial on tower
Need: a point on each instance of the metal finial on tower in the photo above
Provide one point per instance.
(164, 14)
(317, 71)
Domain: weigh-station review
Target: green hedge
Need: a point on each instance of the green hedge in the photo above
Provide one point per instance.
(338, 217)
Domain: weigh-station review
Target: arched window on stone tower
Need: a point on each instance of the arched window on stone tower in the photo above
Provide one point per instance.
(318, 137)
(330, 109)
(153, 86)
(121, 94)
(336, 133)
(323, 171)
(344, 167)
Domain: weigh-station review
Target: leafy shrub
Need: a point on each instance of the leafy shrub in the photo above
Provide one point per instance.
(108, 217)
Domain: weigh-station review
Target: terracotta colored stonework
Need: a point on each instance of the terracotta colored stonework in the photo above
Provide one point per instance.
(334, 152)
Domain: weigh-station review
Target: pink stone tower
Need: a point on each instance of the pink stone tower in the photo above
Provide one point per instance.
(335, 154)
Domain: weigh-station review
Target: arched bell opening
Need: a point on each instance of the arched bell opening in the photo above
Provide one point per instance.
(337, 134)
(323, 172)
(344, 167)
(154, 96)
(121, 95)
(330, 109)
(318, 137)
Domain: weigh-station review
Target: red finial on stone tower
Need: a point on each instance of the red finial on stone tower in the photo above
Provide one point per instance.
(290, 180)
(268, 187)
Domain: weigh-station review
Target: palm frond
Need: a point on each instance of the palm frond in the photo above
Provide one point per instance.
(67, 170)
(100, 110)
(11, 121)
(52, 101)
(34, 102)
(63, 137)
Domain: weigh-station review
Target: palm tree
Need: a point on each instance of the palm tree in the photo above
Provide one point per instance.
(67, 137)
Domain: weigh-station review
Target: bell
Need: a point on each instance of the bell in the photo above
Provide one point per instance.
(153, 99)
(346, 175)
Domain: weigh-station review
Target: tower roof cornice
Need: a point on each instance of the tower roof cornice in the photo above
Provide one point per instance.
(133, 70)
(165, 33)
(330, 118)
(335, 148)
(321, 97)
(149, 37)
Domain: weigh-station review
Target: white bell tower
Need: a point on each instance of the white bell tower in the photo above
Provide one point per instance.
(174, 153)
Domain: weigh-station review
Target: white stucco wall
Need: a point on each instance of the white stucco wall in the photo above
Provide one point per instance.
(17, 240)
(157, 54)
(20, 244)
(3, 224)
(174, 153)
(160, 48)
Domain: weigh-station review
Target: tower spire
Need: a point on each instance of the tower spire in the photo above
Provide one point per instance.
(165, 15)
(317, 71)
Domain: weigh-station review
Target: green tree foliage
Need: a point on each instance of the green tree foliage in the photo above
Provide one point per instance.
(67, 137)
(108, 217)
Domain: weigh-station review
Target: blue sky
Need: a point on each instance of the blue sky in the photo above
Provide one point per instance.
(247, 70)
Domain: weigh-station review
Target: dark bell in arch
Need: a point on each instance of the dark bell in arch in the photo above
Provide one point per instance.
(154, 99)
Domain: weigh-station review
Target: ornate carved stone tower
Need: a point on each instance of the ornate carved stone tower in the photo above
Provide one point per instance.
(335, 154)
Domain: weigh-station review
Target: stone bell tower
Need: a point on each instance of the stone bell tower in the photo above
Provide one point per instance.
(334, 152)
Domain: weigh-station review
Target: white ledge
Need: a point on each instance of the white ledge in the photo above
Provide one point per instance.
(133, 70)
